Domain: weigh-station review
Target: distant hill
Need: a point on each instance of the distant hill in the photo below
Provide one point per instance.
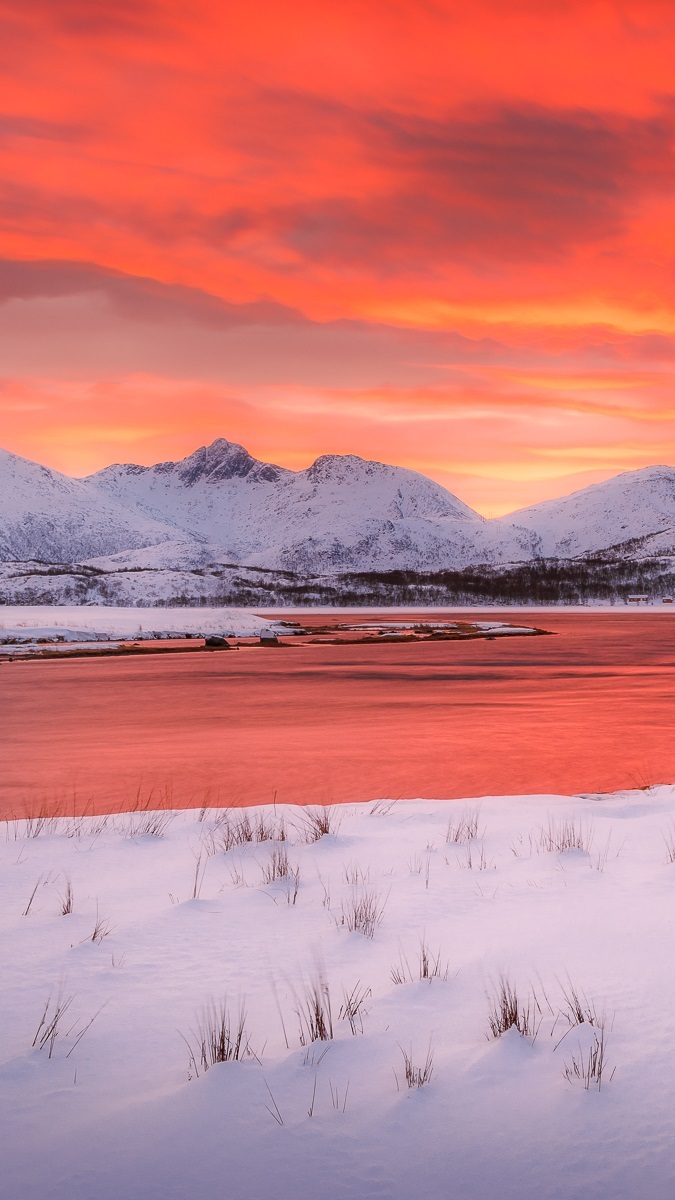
(629, 508)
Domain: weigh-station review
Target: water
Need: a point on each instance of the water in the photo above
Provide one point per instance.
(590, 709)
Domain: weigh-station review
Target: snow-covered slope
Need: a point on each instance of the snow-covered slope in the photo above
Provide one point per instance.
(342, 513)
(146, 927)
(46, 515)
(222, 506)
(634, 505)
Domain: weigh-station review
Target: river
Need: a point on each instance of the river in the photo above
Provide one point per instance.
(589, 709)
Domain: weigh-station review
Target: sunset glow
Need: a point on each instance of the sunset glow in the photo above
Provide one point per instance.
(436, 234)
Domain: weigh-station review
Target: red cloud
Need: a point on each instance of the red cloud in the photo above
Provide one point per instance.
(354, 213)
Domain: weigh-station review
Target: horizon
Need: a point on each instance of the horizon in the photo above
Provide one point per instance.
(458, 260)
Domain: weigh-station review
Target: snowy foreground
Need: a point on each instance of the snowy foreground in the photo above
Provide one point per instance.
(168, 926)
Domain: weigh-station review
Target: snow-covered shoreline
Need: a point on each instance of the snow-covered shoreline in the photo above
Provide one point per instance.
(109, 622)
(185, 923)
(112, 621)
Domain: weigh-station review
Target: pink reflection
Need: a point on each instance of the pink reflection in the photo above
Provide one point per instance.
(590, 709)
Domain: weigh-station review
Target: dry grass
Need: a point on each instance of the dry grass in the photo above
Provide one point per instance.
(314, 1012)
(508, 1011)
(567, 834)
(317, 821)
(49, 1027)
(429, 966)
(589, 1068)
(102, 929)
(669, 839)
(363, 911)
(198, 878)
(220, 1037)
(578, 1009)
(382, 808)
(354, 874)
(353, 1009)
(237, 828)
(279, 866)
(145, 824)
(31, 898)
(416, 1075)
(67, 898)
(292, 886)
(474, 858)
(464, 828)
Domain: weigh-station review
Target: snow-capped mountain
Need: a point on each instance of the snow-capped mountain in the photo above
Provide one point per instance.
(48, 516)
(222, 507)
(632, 508)
(342, 513)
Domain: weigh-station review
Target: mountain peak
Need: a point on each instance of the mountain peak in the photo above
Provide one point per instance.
(220, 460)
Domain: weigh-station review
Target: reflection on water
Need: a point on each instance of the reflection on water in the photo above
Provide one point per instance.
(588, 710)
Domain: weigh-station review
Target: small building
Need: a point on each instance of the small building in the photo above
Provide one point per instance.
(638, 599)
(666, 599)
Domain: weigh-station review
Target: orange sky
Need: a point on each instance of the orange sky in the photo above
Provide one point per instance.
(435, 233)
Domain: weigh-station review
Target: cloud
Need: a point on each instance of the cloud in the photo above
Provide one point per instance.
(16, 125)
(133, 296)
(91, 17)
(502, 183)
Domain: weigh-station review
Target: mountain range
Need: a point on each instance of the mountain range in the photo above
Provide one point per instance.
(342, 514)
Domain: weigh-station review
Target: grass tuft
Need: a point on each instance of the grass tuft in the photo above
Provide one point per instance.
(232, 829)
(279, 866)
(509, 1011)
(464, 827)
(353, 1009)
(49, 1027)
(416, 1076)
(317, 821)
(578, 1009)
(430, 966)
(145, 824)
(314, 1012)
(67, 898)
(220, 1037)
(567, 834)
(363, 911)
(589, 1068)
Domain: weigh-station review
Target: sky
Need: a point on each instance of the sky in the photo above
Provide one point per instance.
(433, 233)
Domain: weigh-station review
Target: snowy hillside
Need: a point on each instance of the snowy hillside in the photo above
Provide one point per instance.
(46, 515)
(509, 957)
(149, 533)
(636, 504)
(342, 513)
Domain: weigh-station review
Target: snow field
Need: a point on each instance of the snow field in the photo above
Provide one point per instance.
(189, 916)
(102, 622)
